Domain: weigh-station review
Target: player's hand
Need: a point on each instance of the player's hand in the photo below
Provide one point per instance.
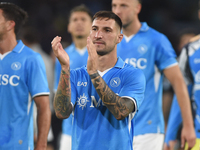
(171, 145)
(60, 52)
(92, 62)
(188, 134)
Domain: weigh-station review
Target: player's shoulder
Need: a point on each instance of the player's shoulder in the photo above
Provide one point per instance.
(30, 55)
(70, 48)
(130, 69)
(29, 52)
(79, 71)
(194, 44)
(195, 38)
(156, 34)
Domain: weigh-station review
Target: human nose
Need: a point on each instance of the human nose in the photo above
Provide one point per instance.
(98, 34)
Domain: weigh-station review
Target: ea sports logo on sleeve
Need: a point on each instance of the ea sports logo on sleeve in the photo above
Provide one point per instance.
(16, 65)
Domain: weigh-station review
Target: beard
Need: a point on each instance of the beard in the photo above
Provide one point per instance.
(126, 25)
(79, 36)
(102, 53)
(105, 52)
(1, 37)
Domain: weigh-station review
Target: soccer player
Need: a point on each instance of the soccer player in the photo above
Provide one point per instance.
(189, 62)
(80, 22)
(151, 51)
(22, 78)
(102, 95)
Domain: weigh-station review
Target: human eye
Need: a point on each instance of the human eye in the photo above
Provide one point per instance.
(74, 19)
(94, 29)
(123, 6)
(83, 19)
(113, 6)
(107, 29)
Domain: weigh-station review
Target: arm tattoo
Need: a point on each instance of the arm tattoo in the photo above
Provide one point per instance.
(118, 106)
(62, 100)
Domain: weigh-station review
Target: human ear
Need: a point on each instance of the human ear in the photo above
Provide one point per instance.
(10, 24)
(120, 37)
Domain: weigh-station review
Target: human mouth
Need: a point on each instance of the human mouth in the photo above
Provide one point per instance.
(99, 42)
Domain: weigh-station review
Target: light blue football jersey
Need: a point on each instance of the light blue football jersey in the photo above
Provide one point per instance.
(22, 77)
(151, 52)
(94, 126)
(77, 60)
(188, 62)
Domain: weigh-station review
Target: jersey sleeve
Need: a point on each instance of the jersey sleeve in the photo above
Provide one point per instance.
(134, 86)
(57, 71)
(73, 86)
(36, 78)
(165, 54)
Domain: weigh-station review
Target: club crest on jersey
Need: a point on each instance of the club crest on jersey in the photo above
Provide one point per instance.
(82, 101)
(16, 65)
(142, 49)
(115, 82)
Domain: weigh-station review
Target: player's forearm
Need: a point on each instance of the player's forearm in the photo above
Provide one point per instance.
(119, 107)
(184, 102)
(62, 99)
(43, 123)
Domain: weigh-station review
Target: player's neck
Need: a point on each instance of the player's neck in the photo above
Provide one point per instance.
(107, 61)
(197, 37)
(80, 43)
(131, 29)
(7, 44)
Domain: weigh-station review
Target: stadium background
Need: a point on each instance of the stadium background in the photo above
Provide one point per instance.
(49, 17)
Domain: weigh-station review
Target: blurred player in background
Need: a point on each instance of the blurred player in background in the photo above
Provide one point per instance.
(22, 78)
(189, 62)
(80, 22)
(151, 51)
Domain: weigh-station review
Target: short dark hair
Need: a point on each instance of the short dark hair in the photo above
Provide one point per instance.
(140, 1)
(15, 13)
(109, 15)
(199, 4)
(81, 8)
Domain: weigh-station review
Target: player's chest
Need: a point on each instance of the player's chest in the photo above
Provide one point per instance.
(11, 71)
(87, 96)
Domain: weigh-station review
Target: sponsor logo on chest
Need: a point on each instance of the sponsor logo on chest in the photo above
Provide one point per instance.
(5, 79)
(13, 80)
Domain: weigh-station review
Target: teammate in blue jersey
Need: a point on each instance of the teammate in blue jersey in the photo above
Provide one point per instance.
(80, 21)
(104, 95)
(189, 62)
(22, 78)
(151, 51)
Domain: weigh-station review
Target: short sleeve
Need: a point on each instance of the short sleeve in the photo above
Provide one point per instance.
(36, 76)
(134, 86)
(73, 86)
(165, 54)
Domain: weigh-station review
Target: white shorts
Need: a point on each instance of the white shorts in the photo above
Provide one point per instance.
(148, 142)
(65, 142)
